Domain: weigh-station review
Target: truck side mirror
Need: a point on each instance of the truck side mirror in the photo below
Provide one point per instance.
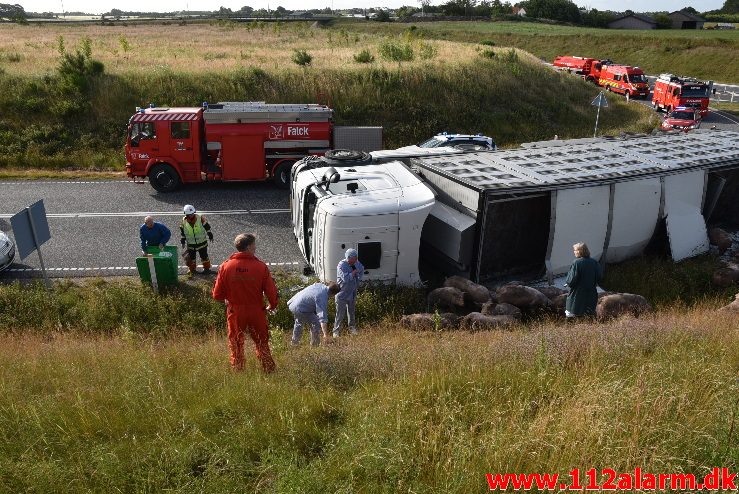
(330, 176)
(352, 187)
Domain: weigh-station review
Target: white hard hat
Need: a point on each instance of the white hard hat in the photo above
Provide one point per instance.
(189, 209)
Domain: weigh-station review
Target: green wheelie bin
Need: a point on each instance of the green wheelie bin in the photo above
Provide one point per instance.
(165, 265)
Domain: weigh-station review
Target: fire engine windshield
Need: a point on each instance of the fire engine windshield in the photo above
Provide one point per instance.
(637, 78)
(140, 131)
(694, 92)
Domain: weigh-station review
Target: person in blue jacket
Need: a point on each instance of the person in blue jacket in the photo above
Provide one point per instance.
(583, 278)
(349, 273)
(153, 234)
(310, 308)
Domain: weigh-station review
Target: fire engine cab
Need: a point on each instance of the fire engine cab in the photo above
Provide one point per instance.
(671, 91)
(234, 141)
(624, 79)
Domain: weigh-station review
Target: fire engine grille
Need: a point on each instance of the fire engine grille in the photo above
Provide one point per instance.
(545, 165)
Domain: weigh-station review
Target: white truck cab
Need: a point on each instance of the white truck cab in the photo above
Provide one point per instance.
(378, 209)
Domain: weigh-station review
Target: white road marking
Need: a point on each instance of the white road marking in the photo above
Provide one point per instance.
(141, 214)
(123, 268)
(55, 182)
(719, 113)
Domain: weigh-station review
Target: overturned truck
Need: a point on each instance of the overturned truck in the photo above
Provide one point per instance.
(492, 215)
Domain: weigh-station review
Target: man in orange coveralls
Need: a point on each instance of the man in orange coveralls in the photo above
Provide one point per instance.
(242, 282)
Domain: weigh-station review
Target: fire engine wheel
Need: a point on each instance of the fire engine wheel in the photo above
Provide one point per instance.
(164, 178)
(281, 174)
(347, 157)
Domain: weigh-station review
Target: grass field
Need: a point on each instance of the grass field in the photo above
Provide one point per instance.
(388, 411)
(706, 54)
(54, 120)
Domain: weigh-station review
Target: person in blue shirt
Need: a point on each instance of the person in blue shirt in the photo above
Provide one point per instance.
(310, 307)
(349, 273)
(153, 234)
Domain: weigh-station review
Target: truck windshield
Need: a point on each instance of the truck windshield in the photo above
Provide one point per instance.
(140, 131)
(694, 92)
(432, 143)
(309, 208)
(638, 78)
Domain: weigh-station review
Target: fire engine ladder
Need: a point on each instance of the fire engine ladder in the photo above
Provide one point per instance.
(260, 112)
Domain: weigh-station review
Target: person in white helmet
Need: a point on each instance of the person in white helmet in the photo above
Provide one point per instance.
(194, 229)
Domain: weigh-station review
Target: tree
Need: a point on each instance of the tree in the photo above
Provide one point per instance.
(663, 21)
(280, 11)
(12, 12)
(499, 9)
(382, 16)
(597, 18)
(459, 7)
(558, 10)
(689, 10)
(730, 7)
(246, 10)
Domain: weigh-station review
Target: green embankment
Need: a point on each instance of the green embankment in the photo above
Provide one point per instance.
(58, 122)
(387, 411)
(703, 54)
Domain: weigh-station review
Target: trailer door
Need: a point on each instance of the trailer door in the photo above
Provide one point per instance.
(634, 214)
(242, 157)
(686, 227)
(578, 215)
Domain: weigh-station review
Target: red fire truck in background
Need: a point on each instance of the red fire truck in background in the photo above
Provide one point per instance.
(588, 68)
(671, 91)
(622, 79)
(234, 141)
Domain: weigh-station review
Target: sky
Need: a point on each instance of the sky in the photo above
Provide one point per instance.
(102, 6)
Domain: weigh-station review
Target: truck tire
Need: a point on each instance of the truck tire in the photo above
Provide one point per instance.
(347, 157)
(164, 178)
(281, 174)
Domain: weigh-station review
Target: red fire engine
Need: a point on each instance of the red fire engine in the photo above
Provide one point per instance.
(588, 68)
(621, 79)
(671, 91)
(234, 141)
(624, 79)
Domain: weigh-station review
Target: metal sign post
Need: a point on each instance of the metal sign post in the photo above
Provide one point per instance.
(599, 101)
(31, 230)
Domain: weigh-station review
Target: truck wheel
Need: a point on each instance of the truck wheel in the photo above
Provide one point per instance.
(347, 157)
(281, 174)
(164, 178)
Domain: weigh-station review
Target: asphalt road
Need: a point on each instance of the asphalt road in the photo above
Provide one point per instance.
(94, 225)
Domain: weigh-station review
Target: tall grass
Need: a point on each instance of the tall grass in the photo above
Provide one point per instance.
(388, 411)
(446, 86)
(705, 54)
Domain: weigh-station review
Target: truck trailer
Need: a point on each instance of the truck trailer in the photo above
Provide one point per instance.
(234, 141)
(515, 214)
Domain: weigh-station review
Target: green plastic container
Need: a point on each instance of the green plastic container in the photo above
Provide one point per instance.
(165, 265)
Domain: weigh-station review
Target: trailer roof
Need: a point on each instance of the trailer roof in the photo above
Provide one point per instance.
(259, 111)
(553, 164)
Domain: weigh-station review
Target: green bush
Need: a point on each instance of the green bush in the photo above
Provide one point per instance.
(396, 52)
(487, 42)
(427, 51)
(302, 58)
(487, 53)
(364, 56)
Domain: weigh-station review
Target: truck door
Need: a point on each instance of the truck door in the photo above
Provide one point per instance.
(144, 140)
(181, 141)
(242, 157)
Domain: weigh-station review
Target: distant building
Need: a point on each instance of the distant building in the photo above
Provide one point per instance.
(686, 20)
(633, 21)
(519, 11)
